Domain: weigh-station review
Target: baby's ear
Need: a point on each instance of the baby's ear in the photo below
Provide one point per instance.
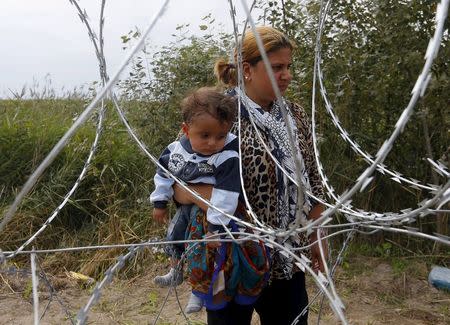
(185, 129)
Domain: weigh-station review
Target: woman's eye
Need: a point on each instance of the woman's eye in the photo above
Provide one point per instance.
(276, 68)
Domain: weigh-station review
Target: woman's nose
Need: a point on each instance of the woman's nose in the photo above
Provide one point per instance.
(287, 74)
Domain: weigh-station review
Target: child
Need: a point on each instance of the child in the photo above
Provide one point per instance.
(207, 153)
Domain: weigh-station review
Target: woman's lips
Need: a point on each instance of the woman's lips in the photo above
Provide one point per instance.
(283, 87)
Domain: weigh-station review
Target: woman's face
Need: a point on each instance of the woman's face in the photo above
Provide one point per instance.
(256, 77)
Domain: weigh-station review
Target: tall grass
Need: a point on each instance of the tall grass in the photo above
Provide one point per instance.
(109, 207)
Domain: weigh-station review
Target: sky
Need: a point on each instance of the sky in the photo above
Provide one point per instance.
(45, 40)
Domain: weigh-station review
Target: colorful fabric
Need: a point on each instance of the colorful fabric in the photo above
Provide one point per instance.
(234, 271)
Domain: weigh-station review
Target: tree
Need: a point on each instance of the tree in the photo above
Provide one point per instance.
(372, 53)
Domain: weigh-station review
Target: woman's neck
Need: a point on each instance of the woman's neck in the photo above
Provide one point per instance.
(265, 105)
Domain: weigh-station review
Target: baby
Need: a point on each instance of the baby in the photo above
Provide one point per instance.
(207, 153)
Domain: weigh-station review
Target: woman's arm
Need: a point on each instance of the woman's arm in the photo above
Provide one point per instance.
(305, 138)
(307, 147)
(184, 197)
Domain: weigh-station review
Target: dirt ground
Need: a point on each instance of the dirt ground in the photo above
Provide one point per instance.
(374, 291)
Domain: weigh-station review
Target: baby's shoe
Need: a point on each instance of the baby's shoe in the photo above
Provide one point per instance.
(194, 304)
(172, 279)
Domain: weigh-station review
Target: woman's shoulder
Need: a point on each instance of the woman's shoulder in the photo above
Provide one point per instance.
(294, 106)
(298, 111)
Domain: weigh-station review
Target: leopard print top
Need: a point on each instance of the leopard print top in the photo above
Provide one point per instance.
(259, 174)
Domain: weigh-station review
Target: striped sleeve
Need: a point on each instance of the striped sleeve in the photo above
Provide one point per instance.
(226, 191)
(163, 184)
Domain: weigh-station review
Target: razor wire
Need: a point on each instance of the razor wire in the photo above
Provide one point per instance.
(302, 262)
(263, 232)
(361, 214)
(240, 80)
(81, 119)
(134, 248)
(298, 163)
(82, 14)
(82, 314)
(418, 91)
(109, 274)
(34, 286)
(27, 273)
(407, 214)
(69, 194)
(338, 261)
(396, 176)
(364, 183)
(93, 37)
(53, 294)
(185, 241)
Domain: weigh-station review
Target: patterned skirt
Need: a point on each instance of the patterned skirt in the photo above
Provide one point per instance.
(233, 271)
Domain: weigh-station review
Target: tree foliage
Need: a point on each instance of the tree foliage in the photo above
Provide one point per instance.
(372, 53)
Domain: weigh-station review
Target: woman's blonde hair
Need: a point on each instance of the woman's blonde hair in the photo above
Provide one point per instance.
(272, 40)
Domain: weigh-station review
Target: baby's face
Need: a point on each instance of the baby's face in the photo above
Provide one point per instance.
(206, 134)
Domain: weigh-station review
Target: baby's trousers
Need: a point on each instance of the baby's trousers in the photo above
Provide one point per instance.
(177, 230)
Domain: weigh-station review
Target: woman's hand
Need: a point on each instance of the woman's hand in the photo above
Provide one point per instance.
(316, 258)
(182, 196)
(212, 244)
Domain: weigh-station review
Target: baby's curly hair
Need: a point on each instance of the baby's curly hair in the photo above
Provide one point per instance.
(209, 100)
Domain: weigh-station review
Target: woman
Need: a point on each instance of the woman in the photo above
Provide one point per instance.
(272, 196)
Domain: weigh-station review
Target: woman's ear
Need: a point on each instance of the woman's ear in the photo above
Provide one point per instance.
(246, 70)
(185, 128)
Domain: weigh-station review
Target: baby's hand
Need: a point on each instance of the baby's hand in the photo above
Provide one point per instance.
(212, 244)
(160, 215)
